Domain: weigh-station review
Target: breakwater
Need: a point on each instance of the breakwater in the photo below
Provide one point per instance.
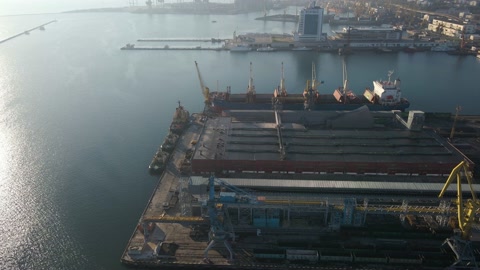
(26, 32)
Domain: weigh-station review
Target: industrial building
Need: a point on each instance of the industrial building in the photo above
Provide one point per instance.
(383, 34)
(320, 142)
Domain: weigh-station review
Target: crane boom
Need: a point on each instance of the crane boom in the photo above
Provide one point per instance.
(466, 211)
(205, 90)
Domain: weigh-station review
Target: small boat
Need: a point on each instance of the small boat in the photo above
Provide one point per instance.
(301, 49)
(383, 50)
(266, 49)
(214, 21)
(478, 55)
(240, 48)
(442, 48)
(41, 28)
(410, 49)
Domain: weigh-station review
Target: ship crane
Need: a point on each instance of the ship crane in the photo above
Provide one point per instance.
(345, 82)
(283, 90)
(461, 242)
(251, 88)
(310, 93)
(205, 90)
(218, 215)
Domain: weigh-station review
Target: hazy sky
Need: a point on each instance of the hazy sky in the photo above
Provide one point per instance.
(12, 7)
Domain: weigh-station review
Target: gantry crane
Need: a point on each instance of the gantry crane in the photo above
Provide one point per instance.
(460, 243)
(218, 215)
(205, 90)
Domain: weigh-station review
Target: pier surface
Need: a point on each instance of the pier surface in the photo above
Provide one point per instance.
(173, 236)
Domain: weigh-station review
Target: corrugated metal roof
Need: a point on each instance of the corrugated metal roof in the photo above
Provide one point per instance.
(326, 185)
(223, 139)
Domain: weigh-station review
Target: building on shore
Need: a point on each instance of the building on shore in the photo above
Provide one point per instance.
(383, 33)
(310, 24)
(451, 28)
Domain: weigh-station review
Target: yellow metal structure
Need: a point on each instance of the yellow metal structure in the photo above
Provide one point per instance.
(205, 90)
(466, 210)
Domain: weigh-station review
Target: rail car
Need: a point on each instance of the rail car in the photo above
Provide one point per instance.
(312, 256)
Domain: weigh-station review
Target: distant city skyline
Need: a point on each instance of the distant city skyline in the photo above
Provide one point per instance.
(16, 7)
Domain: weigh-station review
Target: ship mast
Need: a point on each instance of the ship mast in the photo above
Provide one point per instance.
(314, 77)
(251, 87)
(345, 82)
(283, 91)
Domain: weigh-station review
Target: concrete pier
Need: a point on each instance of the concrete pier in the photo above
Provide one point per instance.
(168, 48)
(213, 40)
(26, 32)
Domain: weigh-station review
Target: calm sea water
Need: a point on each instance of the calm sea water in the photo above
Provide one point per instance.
(80, 119)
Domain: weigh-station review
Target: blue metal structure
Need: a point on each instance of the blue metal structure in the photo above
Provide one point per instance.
(218, 217)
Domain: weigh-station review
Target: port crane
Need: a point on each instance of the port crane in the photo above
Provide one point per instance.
(251, 87)
(460, 243)
(221, 229)
(310, 93)
(205, 90)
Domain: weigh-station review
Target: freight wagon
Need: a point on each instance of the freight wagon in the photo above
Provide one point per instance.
(302, 255)
(269, 254)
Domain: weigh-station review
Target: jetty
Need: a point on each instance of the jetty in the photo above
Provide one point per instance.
(132, 47)
(26, 32)
(213, 40)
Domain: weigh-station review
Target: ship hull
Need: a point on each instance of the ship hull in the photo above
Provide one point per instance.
(325, 104)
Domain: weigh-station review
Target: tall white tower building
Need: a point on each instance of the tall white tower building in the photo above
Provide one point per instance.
(310, 24)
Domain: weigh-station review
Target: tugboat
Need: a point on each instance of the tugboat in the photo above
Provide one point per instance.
(180, 119)
(169, 143)
(158, 162)
(179, 123)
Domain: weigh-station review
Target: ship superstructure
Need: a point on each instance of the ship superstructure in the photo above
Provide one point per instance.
(386, 93)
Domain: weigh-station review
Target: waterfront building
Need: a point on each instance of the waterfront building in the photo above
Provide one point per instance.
(370, 34)
(451, 28)
(310, 24)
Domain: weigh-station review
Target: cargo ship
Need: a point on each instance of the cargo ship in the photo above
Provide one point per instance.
(179, 123)
(385, 96)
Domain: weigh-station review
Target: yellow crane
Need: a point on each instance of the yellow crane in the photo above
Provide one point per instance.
(461, 244)
(205, 90)
(466, 210)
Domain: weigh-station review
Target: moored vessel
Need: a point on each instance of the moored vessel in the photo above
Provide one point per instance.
(266, 49)
(442, 48)
(179, 123)
(240, 48)
(386, 96)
